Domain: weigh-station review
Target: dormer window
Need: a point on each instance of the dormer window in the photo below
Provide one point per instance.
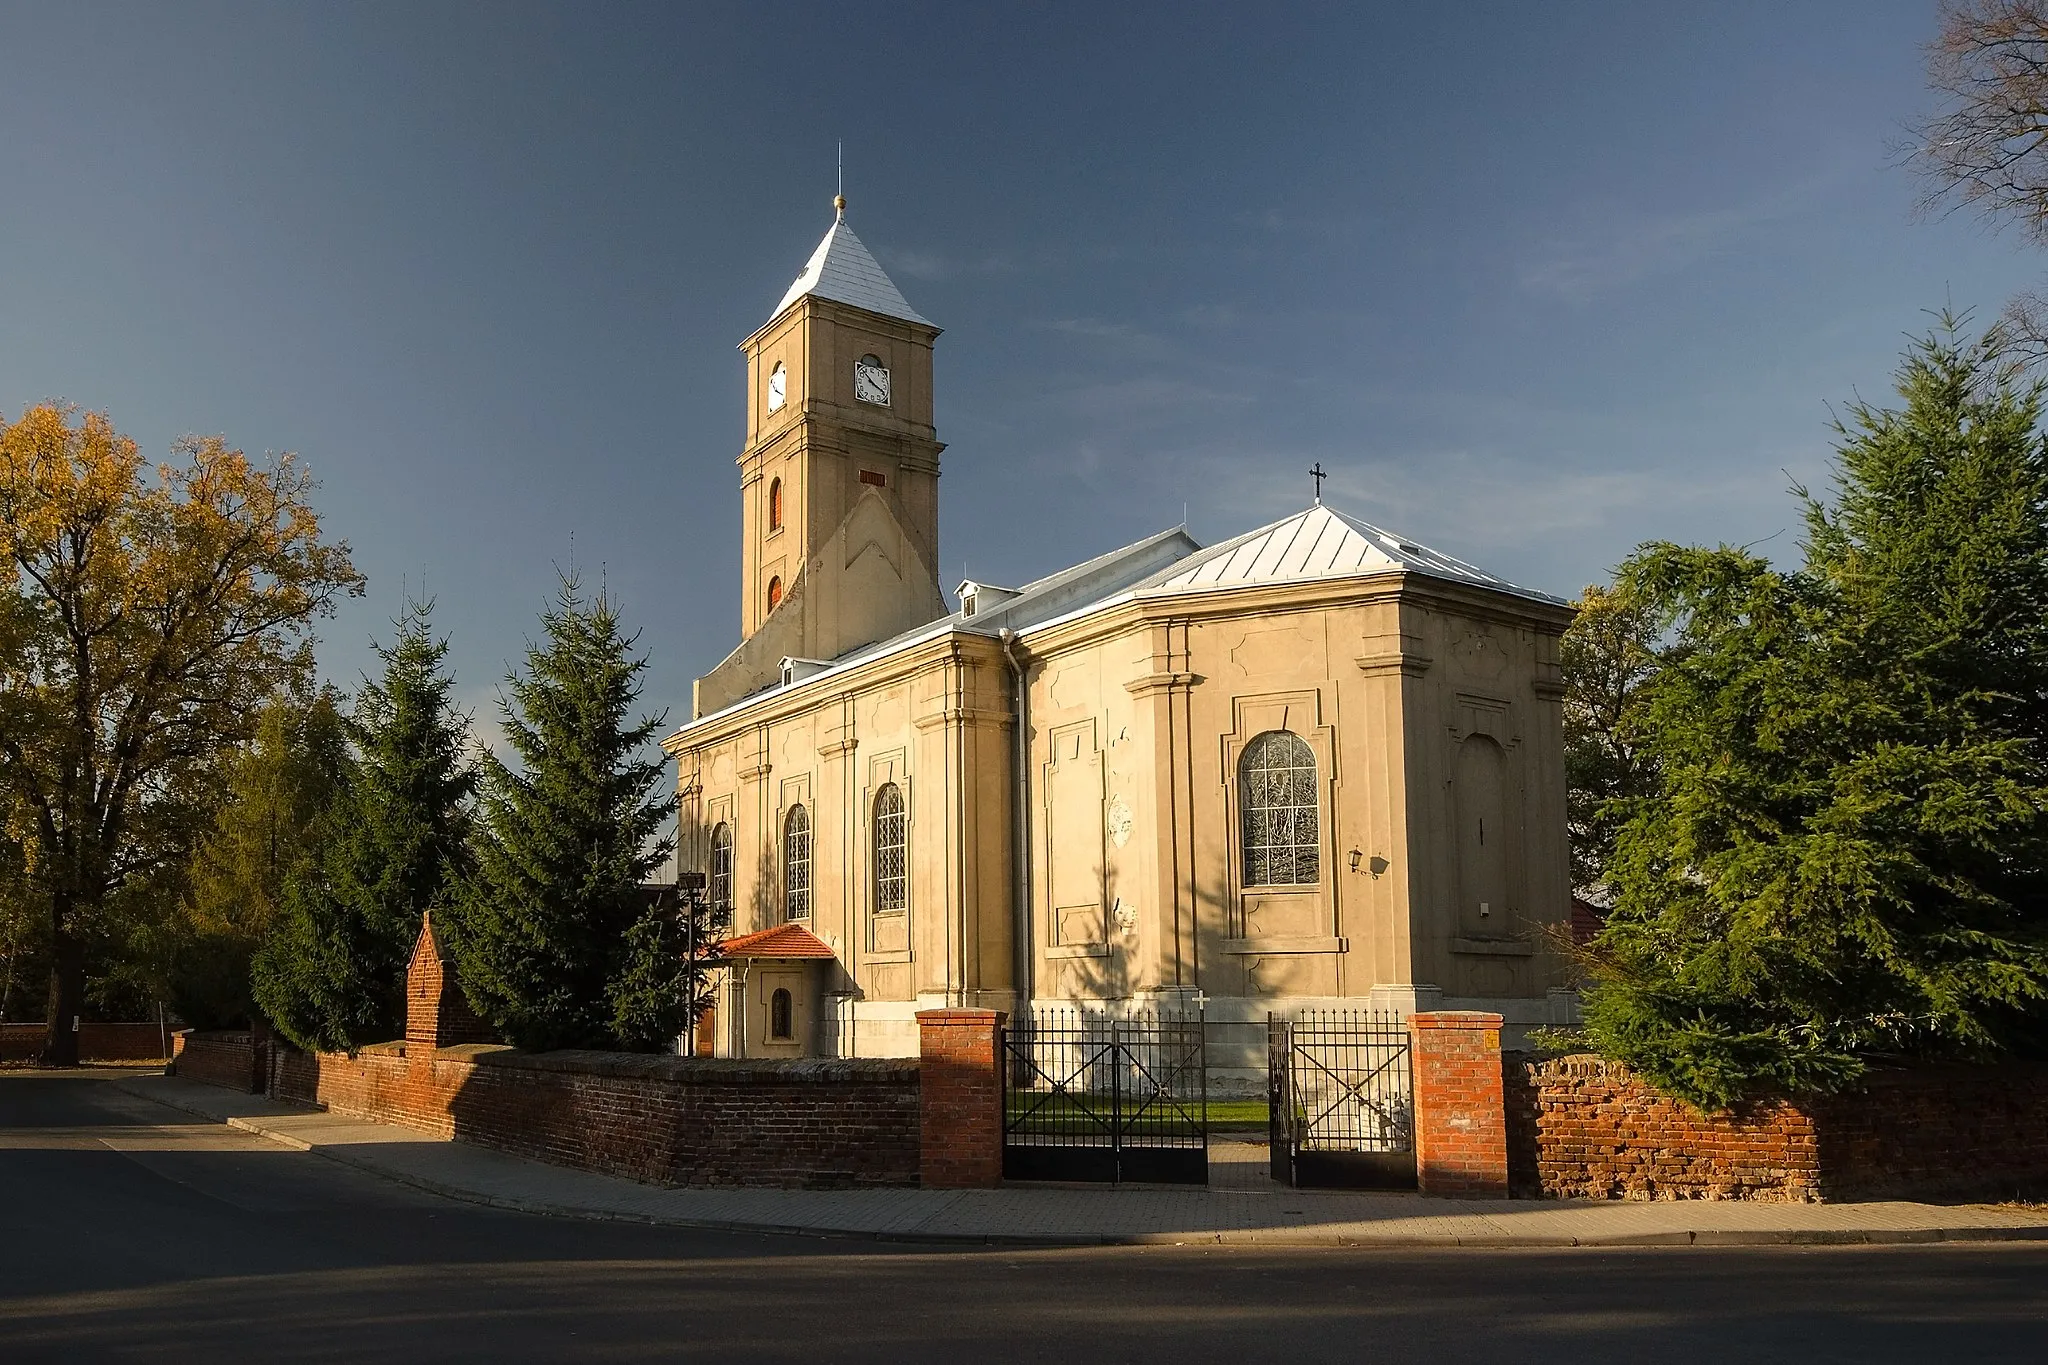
(974, 596)
(796, 670)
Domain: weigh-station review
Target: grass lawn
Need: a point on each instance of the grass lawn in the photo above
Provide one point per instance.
(1065, 1109)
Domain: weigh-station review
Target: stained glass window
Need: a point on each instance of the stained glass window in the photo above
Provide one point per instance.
(892, 861)
(796, 863)
(1277, 797)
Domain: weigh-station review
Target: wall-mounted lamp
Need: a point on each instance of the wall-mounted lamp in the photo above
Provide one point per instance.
(1356, 854)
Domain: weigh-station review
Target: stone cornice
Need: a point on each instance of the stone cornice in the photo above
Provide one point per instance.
(1413, 665)
(845, 314)
(1264, 599)
(1161, 682)
(938, 651)
(963, 715)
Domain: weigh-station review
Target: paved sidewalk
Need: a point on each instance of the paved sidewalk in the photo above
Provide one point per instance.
(1240, 1212)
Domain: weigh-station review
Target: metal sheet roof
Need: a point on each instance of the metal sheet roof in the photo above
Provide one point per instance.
(1314, 544)
(1318, 543)
(843, 270)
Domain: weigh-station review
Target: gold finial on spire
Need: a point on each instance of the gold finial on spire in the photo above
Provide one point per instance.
(839, 204)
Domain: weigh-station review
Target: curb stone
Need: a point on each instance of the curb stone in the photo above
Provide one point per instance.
(342, 1154)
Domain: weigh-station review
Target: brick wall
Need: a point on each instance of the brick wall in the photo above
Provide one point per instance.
(670, 1120)
(1586, 1127)
(230, 1059)
(961, 1132)
(1934, 1132)
(114, 1042)
(1461, 1146)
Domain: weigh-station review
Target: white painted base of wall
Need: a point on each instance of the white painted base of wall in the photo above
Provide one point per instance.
(870, 1028)
(1235, 1025)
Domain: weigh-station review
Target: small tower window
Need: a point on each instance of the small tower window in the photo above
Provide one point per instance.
(781, 1027)
(778, 388)
(796, 863)
(774, 592)
(775, 505)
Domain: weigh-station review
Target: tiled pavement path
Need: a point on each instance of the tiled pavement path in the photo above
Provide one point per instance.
(1242, 1205)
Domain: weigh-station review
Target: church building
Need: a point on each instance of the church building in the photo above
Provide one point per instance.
(1315, 765)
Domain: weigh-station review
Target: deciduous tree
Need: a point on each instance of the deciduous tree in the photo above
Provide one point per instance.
(1608, 655)
(144, 615)
(1986, 145)
(280, 789)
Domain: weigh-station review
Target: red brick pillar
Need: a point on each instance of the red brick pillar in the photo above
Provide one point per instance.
(960, 1098)
(436, 1013)
(1461, 1117)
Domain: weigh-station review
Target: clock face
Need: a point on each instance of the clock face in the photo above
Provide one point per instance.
(778, 388)
(871, 381)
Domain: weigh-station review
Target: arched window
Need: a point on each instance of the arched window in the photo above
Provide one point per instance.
(892, 847)
(775, 505)
(719, 890)
(774, 592)
(1277, 796)
(780, 1026)
(796, 864)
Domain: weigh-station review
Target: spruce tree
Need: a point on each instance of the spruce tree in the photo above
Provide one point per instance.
(1845, 856)
(652, 996)
(332, 972)
(556, 943)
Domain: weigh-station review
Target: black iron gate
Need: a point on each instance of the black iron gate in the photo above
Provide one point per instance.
(1105, 1097)
(1342, 1101)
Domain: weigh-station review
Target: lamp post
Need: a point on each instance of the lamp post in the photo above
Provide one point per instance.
(690, 886)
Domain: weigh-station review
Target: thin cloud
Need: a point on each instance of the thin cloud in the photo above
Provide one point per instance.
(1576, 271)
(937, 265)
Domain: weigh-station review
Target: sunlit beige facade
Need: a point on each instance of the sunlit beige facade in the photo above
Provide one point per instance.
(1314, 765)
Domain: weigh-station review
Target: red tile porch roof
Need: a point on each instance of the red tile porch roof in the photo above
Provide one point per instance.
(784, 941)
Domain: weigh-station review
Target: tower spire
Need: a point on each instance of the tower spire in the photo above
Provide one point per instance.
(839, 199)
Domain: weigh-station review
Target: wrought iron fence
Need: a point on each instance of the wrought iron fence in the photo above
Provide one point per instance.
(1105, 1097)
(1342, 1099)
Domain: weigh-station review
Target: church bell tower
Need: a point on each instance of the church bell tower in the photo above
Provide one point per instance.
(839, 475)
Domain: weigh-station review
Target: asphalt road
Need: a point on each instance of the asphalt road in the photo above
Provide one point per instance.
(133, 1232)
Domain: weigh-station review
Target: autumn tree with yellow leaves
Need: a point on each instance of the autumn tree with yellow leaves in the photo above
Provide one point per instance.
(145, 616)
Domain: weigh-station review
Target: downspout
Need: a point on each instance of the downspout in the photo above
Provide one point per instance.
(1020, 839)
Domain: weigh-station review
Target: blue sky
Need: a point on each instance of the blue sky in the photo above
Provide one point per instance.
(1536, 282)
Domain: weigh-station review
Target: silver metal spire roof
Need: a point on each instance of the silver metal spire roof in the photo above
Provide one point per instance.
(843, 270)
